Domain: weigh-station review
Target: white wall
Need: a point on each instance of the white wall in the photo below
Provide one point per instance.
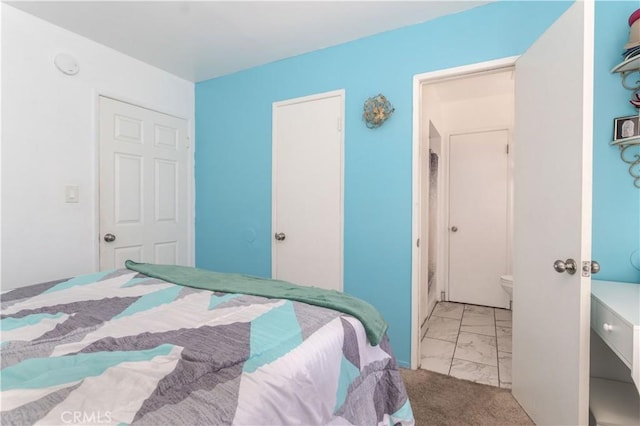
(49, 140)
(1, 9)
(478, 113)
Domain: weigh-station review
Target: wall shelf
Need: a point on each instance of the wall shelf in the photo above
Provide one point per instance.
(626, 68)
(628, 65)
(632, 159)
(634, 140)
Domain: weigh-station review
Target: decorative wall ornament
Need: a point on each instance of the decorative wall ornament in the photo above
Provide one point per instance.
(376, 111)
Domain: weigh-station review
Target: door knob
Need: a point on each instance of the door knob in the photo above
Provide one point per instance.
(569, 266)
(454, 229)
(280, 236)
(590, 268)
(109, 238)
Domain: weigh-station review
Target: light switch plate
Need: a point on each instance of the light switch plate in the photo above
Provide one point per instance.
(71, 193)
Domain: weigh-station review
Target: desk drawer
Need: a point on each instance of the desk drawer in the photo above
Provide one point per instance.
(616, 332)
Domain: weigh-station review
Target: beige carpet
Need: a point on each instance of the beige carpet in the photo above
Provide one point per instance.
(437, 399)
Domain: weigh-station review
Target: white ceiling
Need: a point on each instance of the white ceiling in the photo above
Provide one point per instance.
(206, 39)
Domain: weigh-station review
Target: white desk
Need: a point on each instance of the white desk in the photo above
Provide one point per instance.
(615, 317)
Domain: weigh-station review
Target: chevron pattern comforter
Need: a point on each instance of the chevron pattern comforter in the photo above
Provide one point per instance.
(119, 347)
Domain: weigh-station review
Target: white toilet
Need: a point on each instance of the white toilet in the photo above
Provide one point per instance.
(506, 281)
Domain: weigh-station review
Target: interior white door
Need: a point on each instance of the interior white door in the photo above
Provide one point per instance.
(553, 166)
(307, 190)
(478, 197)
(143, 186)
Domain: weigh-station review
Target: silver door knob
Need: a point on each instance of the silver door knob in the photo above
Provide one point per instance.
(454, 229)
(109, 238)
(590, 268)
(280, 236)
(569, 266)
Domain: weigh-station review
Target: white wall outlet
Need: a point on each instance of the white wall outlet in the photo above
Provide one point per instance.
(71, 193)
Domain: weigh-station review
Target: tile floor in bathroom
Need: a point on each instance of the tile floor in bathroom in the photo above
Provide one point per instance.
(469, 342)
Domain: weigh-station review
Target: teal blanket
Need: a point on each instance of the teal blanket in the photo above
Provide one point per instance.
(371, 319)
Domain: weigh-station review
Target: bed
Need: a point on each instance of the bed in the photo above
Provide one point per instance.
(159, 345)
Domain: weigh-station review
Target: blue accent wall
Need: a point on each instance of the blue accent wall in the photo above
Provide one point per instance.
(233, 146)
(616, 202)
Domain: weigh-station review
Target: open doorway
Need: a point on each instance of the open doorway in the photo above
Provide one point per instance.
(470, 108)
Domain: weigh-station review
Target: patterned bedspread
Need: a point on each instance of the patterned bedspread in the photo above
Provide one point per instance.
(118, 347)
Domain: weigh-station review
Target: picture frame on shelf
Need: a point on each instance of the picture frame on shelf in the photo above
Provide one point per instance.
(626, 127)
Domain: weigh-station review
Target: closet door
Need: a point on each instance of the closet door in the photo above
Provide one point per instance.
(307, 190)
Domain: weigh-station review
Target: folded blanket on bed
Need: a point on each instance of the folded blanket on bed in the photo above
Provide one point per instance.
(371, 319)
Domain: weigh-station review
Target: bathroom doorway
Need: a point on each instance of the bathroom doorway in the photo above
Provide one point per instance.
(466, 123)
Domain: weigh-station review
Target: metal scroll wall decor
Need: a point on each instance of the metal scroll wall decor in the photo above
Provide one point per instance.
(627, 129)
(633, 160)
(376, 111)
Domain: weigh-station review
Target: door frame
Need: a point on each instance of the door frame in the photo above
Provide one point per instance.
(421, 132)
(97, 94)
(340, 93)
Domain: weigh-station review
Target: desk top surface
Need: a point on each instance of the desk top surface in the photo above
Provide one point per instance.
(623, 298)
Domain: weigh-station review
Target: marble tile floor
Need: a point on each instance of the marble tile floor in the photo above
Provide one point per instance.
(469, 342)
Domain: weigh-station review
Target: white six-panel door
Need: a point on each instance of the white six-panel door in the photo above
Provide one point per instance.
(552, 218)
(143, 186)
(307, 190)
